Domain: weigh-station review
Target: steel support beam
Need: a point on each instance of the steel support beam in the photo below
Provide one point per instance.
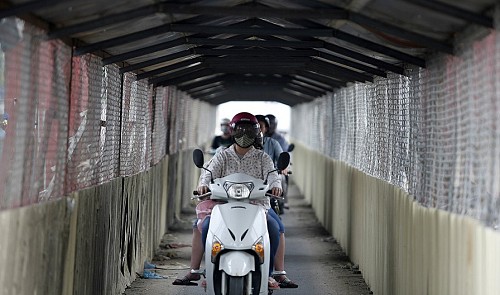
(256, 11)
(102, 22)
(173, 67)
(336, 71)
(351, 64)
(455, 12)
(328, 80)
(182, 76)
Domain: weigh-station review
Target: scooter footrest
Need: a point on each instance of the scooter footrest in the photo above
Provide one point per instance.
(198, 272)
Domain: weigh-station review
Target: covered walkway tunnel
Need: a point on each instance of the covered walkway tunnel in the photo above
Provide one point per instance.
(395, 118)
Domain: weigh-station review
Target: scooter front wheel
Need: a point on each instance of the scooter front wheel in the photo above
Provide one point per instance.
(236, 285)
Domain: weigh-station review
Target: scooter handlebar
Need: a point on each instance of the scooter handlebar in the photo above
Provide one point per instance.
(197, 195)
(268, 194)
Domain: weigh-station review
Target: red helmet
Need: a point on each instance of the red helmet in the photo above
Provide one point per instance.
(243, 117)
(244, 129)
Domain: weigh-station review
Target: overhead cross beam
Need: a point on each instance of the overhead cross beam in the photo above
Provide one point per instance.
(455, 12)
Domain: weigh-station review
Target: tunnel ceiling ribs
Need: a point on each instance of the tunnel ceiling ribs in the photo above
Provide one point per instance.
(291, 51)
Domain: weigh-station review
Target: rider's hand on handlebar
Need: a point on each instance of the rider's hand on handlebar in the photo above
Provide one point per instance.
(276, 191)
(202, 189)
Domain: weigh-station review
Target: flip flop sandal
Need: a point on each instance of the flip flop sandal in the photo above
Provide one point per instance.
(186, 281)
(287, 283)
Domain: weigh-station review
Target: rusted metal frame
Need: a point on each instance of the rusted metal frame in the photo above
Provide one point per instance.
(455, 12)
(183, 64)
(103, 21)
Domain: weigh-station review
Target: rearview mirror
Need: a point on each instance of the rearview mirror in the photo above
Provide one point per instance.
(198, 158)
(283, 161)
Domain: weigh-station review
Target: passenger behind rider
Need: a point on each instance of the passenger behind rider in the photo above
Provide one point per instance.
(273, 149)
(272, 131)
(239, 157)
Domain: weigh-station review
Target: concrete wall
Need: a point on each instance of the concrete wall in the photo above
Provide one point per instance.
(401, 247)
(93, 241)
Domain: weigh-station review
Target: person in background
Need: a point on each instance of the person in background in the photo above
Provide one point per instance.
(273, 132)
(271, 146)
(273, 149)
(225, 138)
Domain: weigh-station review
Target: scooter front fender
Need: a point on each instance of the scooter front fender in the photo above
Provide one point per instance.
(237, 263)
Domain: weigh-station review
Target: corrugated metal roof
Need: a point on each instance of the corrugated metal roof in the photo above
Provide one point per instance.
(288, 51)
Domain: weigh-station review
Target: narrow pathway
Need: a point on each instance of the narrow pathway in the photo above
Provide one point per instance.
(313, 259)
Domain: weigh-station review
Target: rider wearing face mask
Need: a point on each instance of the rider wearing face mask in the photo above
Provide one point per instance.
(241, 157)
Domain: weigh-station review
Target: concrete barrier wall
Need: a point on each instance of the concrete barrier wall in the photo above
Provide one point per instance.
(401, 247)
(93, 241)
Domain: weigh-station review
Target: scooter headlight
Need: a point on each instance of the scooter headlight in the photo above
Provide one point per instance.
(217, 247)
(238, 190)
(258, 247)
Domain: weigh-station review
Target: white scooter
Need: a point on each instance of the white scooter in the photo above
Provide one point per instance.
(237, 248)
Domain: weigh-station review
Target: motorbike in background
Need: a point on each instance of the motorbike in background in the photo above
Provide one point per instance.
(237, 248)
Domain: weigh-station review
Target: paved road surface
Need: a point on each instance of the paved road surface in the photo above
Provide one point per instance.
(313, 259)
